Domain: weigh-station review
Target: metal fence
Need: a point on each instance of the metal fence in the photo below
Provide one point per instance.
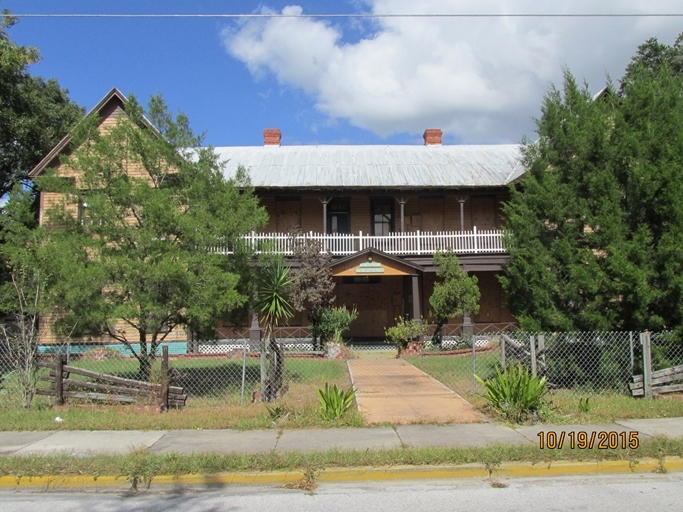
(229, 371)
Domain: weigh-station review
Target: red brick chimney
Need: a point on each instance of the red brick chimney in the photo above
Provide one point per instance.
(432, 137)
(271, 137)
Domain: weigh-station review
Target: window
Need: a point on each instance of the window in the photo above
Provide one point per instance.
(382, 216)
(338, 214)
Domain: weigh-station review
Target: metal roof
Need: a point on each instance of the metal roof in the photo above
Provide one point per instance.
(402, 167)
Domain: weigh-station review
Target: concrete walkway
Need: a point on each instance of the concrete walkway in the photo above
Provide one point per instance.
(81, 443)
(394, 391)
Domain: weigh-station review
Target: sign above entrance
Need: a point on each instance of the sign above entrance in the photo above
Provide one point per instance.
(370, 267)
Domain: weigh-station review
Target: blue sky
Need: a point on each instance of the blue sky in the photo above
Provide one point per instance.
(339, 80)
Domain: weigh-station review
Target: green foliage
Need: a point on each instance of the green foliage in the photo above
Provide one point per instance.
(455, 294)
(404, 331)
(596, 230)
(515, 393)
(153, 207)
(584, 405)
(275, 284)
(313, 286)
(332, 323)
(35, 113)
(22, 294)
(276, 412)
(274, 289)
(334, 402)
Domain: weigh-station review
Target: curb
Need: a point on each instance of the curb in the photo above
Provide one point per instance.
(359, 474)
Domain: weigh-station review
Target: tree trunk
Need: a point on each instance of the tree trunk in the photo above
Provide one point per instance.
(276, 371)
(145, 358)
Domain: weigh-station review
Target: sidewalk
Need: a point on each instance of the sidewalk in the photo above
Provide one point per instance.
(81, 443)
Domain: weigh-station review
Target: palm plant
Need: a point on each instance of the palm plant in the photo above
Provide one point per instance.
(274, 288)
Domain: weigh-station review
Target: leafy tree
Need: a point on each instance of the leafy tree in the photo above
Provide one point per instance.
(456, 293)
(595, 223)
(34, 114)
(563, 216)
(313, 289)
(21, 295)
(139, 259)
(274, 289)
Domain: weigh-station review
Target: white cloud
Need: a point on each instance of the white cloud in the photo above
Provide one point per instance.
(477, 78)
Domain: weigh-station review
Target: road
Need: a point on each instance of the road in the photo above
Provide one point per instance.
(604, 494)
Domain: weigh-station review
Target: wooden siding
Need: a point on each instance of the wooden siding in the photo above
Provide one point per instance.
(427, 213)
(311, 214)
(375, 305)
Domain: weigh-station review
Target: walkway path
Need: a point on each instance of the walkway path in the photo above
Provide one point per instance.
(394, 391)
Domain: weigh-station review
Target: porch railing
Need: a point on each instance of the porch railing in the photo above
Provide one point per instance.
(414, 243)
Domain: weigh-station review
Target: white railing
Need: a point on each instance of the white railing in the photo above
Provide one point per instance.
(416, 243)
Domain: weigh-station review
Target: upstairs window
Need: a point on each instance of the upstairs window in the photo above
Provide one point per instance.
(338, 216)
(382, 216)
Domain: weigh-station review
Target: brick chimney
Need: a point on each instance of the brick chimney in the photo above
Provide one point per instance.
(271, 137)
(432, 137)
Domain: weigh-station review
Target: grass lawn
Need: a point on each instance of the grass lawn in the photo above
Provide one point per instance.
(456, 373)
(213, 386)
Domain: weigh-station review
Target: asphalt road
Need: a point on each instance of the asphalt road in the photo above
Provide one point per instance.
(604, 493)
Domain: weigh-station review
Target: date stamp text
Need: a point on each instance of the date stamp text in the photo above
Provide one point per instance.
(602, 440)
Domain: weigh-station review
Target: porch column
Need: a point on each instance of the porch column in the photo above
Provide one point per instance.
(461, 200)
(402, 201)
(254, 330)
(324, 201)
(416, 298)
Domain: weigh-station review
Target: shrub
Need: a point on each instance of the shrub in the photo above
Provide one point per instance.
(515, 392)
(334, 402)
(332, 322)
(404, 331)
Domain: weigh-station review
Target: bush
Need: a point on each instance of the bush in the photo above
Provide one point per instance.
(404, 331)
(515, 392)
(332, 323)
(334, 402)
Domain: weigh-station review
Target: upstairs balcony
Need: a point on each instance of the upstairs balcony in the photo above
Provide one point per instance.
(416, 243)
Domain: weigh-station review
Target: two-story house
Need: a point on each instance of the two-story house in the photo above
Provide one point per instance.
(382, 212)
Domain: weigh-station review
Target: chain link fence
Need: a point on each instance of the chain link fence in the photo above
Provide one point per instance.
(230, 371)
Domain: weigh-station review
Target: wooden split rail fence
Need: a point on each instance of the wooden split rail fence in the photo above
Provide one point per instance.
(658, 382)
(109, 388)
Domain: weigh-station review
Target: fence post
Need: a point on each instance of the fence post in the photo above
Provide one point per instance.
(630, 344)
(254, 340)
(502, 352)
(532, 349)
(59, 379)
(541, 348)
(647, 363)
(164, 378)
(476, 244)
(474, 363)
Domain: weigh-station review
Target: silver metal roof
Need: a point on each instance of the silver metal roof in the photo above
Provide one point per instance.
(375, 166)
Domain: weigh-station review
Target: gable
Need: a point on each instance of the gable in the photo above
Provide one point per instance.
(371, 262)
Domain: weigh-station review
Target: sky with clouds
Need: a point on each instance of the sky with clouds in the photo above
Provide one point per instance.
(341, 80)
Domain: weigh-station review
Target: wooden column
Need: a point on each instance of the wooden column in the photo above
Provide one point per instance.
(402, 201)
(461, 200)
(416, 297)
(325, 201)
